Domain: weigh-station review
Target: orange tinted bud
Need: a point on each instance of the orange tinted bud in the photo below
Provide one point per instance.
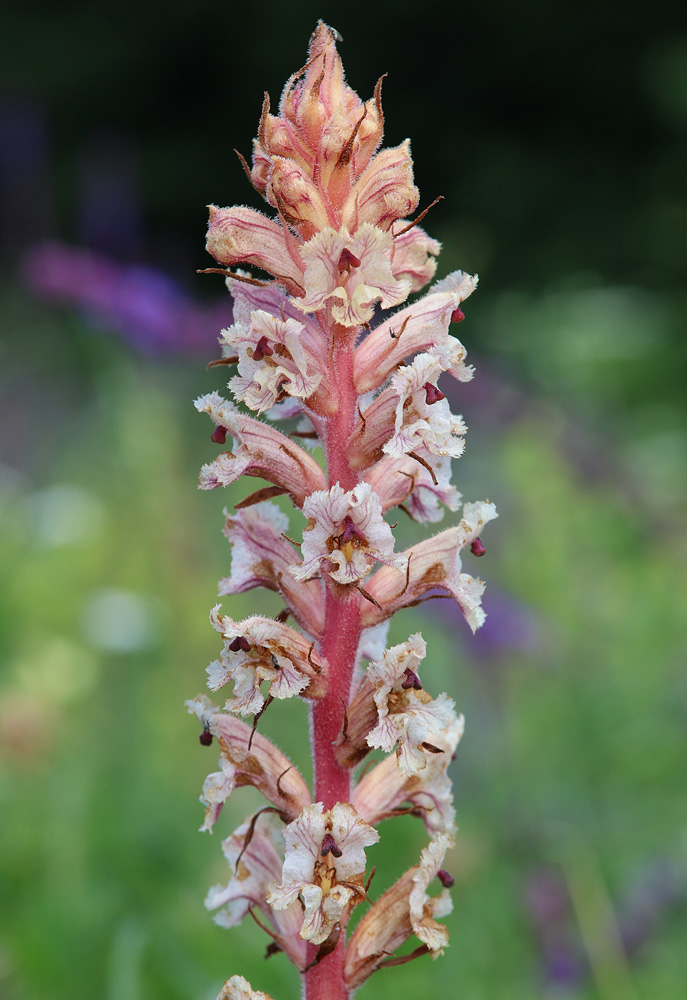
(384, 192)
(291, 190)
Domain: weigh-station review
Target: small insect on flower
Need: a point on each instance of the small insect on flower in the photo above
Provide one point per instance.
(205, 737)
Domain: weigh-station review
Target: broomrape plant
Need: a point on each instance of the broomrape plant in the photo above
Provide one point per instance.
(338, 242)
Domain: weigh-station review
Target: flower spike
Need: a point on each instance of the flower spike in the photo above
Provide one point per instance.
(366, 427)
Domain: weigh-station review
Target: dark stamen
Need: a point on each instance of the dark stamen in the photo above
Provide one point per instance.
(240, 642)
(329, 846)
(220, 435)
(478, 548)
(205, 737)
(432, 393)
(261, 349)
(446, 880)
(411, 680)
(457, 316)
(350, 532)
(347, 260)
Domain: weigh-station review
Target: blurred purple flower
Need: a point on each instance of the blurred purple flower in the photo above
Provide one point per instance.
(141, 304)
(510, 626)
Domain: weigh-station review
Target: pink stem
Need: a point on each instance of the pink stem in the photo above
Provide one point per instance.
(339, 647)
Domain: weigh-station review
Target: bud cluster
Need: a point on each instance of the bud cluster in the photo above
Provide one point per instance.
(337, 244)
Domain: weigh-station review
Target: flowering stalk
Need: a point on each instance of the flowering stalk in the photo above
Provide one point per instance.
(338, 243)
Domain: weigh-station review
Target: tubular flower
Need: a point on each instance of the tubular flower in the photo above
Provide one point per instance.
(433, 564)
(409, 719)
(403, 910)
(272, 361)
(238, 988)
(258, 649)
(246, 758)
(350, 274)
(261, 557)
(421, 483)
(383, 789)
(262, 451)
(324, 865)
(253, 853)
(339, 241)
(345, 535)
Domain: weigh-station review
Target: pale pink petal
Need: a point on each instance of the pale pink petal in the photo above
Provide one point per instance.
(346, 534)
(434, 563)
(350, 293)
(243, 236)
(418, 327)
(414, 256)
(261, 557)
(262, 451)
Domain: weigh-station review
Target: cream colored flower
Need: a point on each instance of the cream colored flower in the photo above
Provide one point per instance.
(345, 535)
(238, 988)
(258, 650)
(324, 865)
(273, 361)
(409, 719)
(434, 563)
(350, 274)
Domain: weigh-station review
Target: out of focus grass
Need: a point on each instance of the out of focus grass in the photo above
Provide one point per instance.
(572, 767)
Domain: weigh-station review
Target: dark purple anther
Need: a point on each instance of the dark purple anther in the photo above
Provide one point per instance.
(261, 349)
(329, 846)
(240, 642)
(220, 435)
(350, 532)
(478, 548)
(205, 737)
(411, 680)
(457, 316)
(446, 880)
(432, 394)
(347, 260)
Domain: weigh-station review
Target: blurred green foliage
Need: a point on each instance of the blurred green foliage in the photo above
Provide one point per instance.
(558, 135)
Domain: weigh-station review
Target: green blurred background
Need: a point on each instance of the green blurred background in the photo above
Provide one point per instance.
(557, 133)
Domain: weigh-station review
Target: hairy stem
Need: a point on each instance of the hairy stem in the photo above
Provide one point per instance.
(339, 647)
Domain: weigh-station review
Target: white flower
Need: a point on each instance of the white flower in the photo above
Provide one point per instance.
(238, 988)
(324, 865)
(423, 417)
(423, 908)
(351, 274)
(409, 718)
(273, 361)
(345, 535)
(258, 649)
(383, 789)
